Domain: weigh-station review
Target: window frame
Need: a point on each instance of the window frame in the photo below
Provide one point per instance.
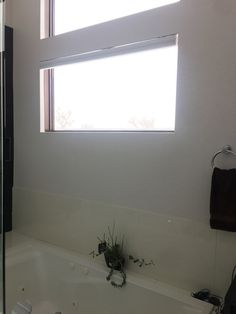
(47, 19)
(47, 78)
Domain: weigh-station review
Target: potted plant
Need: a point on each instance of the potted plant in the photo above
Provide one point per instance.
(115, 257)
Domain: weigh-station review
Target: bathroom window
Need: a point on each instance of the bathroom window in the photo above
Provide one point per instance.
(60, 16)
(125, 88)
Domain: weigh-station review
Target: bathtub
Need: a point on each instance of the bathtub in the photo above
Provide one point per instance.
(55, 280)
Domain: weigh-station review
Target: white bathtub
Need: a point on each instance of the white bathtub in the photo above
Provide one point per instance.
(55, 280)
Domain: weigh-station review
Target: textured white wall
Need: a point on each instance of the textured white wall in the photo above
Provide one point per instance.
(161, 173)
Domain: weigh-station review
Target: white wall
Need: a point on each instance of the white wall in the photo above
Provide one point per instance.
(8, 12)
(155, 174)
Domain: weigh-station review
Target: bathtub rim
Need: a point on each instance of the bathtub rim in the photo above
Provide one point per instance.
(33, 247)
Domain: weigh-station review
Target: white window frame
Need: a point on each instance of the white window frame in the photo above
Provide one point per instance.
(67, 49)
(47, 76)
(47, 18)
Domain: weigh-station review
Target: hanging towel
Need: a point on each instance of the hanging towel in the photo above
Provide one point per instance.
(223, 200)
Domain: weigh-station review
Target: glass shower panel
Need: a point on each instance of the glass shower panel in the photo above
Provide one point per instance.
(2, 2)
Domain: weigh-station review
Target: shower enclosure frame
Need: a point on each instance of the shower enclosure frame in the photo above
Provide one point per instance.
(2, 97)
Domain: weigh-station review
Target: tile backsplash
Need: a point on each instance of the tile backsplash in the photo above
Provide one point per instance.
(187, 253)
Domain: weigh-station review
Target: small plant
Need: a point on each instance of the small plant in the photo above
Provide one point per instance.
(140, 262)
(115, 256)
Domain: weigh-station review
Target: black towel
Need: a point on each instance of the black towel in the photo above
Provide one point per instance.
(223, 200)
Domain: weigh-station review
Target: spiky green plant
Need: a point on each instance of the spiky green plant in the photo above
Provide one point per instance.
(114, 256)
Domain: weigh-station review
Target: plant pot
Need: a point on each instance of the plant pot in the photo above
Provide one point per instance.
(116, 263)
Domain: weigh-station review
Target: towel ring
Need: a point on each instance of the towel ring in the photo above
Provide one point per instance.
(225, 150)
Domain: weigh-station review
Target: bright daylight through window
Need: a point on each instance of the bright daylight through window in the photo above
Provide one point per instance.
(132, 88)
(70, 15)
